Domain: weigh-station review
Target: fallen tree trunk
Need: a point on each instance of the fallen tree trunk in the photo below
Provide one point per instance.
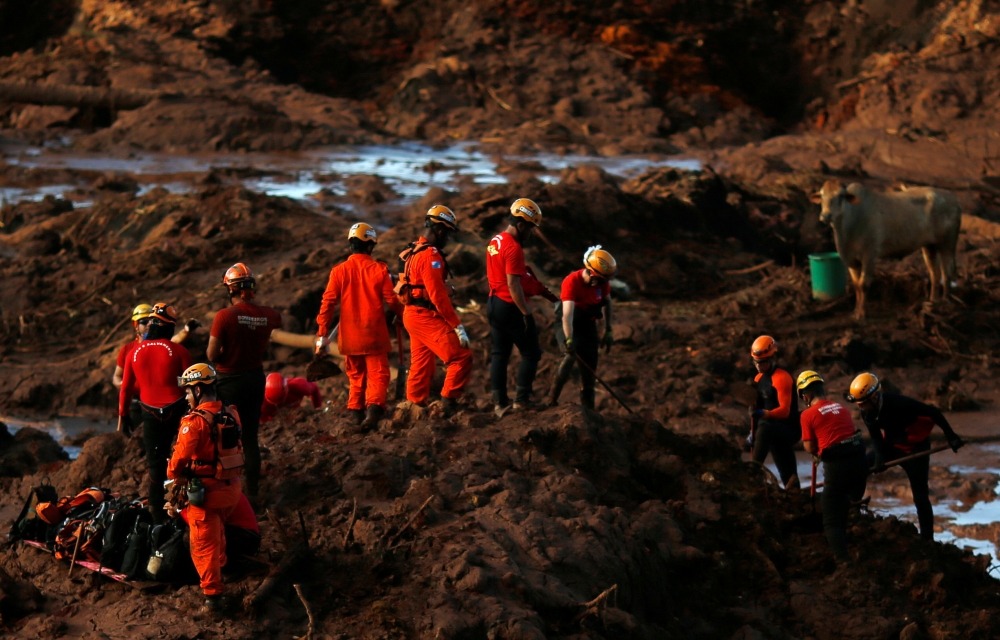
(300, 341)
(65, 95)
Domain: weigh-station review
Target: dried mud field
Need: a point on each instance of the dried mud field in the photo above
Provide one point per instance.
(686, 137)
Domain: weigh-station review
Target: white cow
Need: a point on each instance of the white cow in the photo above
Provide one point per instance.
(869, 225)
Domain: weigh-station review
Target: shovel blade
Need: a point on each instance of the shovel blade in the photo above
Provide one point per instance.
(322, 368)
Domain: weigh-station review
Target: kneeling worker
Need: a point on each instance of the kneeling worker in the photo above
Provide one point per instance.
(776, 411)
(585, 294)
(361, 285)
(901, 426)
(828, 433)
(280, 392)
(208, 449)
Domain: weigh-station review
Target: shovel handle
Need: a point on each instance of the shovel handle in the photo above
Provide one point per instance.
(603, 383)
(812, 487)
(917, 456)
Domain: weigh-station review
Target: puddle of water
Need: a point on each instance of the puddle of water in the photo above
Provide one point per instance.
(409, 168)
(63, 427)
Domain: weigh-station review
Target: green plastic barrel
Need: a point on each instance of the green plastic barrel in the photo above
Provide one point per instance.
(829, 275)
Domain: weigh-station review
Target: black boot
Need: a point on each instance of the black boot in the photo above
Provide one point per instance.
(372, 416)
(587, 397)
(449, 406)
(356, 416)
(522, 400)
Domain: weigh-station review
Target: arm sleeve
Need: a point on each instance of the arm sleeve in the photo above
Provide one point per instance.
(931, 412)
(330, 298)
(219, 324)
(807, 430)
(783, 385)
(513, 260)
(316, 396)
(875, 433)
(125, 394)
(390, 296)
(184, 448)
(120, 360)
(437, 291)
(566, 292)
(531, 285)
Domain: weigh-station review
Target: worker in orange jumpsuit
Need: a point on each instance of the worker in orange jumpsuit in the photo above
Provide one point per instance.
(208, 447)
(360, 285)
(280, 392)
(429, 317)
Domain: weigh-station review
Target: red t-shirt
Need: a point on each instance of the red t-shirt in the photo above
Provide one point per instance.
(298, 388)
(826, 423)
(504, 256)
(245, 330)
(152, 371)
(574, 289)
(126, 351)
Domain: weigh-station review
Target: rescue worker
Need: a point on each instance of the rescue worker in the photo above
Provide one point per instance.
(152, 370)
(242, 535)
(586, 295)
(280, 392)
(511, 322)
(900, 426)
(429, 317)
(236, 346)
(208, 448)
(140, 322)
(776, 412)
(360, 285)
(828, 433)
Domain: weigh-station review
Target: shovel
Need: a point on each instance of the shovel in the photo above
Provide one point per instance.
(323, 367)
(402, 371)
(603, 383)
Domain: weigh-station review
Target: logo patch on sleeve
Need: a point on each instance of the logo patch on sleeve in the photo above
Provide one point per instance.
(435, 265)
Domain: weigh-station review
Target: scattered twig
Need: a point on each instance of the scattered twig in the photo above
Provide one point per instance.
(295, 554)
(406, 526)
(350, 525)
(598, 604)
(740, 272)
(302, 525)
(76, 549)
(280, 530)
(493, 94)
(309, 613)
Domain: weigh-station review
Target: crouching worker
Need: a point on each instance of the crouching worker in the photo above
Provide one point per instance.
(280, 392)
(829, 434)
(208, 456)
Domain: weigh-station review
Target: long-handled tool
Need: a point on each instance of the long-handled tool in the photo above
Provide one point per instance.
(917, 456)
(321, 366)
(812, 487)
(401, 372)
(753, 435)
(603, 384)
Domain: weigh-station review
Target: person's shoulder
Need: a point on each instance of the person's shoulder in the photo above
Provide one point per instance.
(781, 374)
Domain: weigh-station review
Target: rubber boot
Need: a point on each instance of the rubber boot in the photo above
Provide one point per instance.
(215, 604)
(559, 381)
(449, 406)
(522, 400)
(587, 398)
(372, 416)
(356, 416)
(501, 404)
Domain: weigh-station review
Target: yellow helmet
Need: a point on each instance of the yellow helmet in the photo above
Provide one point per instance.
(600, 262)
(864, 386)
(197, 374)
(527, 210)
(806, 378)
(440, 214)
(141, 311)
(363, 232)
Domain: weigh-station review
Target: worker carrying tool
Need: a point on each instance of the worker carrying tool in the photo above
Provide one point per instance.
(429, 317)
(901, 426)
(236, 346)
(361, 286)
(828, 433)
(776, 412)
(281, 392)
(511, 322)
(208, 457)
(151, 372)
(586, 296)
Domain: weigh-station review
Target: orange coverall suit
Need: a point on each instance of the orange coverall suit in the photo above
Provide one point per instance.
(432, 330)
(360, 285)
(207, 523)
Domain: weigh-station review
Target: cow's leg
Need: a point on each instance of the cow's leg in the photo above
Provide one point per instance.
(859, 294)
(931, 260)
(948, 269)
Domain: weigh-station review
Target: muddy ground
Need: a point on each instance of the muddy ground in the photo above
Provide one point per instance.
(533, 517)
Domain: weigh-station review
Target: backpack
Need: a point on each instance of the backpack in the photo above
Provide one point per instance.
(170, 556)
(136, 550)
(404, 289)
(117, 526)
(28, 526)
(226, 434)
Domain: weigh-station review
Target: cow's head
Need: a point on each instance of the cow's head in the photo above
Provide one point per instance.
(833, 197)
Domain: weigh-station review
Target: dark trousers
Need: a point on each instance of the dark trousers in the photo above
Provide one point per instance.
(778, 440)
(159, 430)
(918, 472)
(845, 478)
(245, 390)
(507, 330)
(585, 340)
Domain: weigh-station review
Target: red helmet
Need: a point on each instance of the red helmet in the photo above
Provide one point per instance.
(275, 389)
(763, 348)
(239, 276)
(163, 312)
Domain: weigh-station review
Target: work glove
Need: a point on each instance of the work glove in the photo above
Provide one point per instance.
(607, 340)
(463, 337)
(321, 343)
(529, 322)
(956, 443)
(756, 413)
(570, 347)
(192, 325)
(748, 444)
(126, 426)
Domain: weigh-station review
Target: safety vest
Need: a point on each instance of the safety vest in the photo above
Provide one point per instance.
(227, 437)
(407, 292)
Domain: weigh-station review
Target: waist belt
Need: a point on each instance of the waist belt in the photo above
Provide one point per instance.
(844, 449)
(161, 413)
(421, 302)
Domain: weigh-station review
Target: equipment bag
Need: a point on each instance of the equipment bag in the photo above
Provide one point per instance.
(82, 529)
(227, 436)
(119, 525)
(170, 556)
(136, 551)
(28, 526)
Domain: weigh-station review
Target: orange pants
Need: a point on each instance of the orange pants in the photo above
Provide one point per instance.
(430, 337)
(368, 375)
(208, 532)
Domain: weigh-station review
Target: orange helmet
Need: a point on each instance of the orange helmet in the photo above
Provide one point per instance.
(239, 276)
(275, 388)
(440, 214)
(527, 210)
(763, 348)
(864, 386)
(140, 312)
(164, 313)
(197, 374)
(363, 232)
(600, 263)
